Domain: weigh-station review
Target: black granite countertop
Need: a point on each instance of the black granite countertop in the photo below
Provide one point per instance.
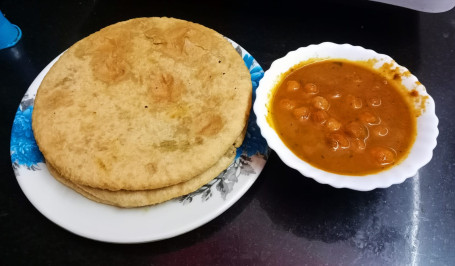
(285, 218)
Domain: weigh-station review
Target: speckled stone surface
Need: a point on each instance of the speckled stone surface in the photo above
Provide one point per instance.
(285, 218)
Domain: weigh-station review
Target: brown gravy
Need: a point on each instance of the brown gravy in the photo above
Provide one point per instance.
(343, 117)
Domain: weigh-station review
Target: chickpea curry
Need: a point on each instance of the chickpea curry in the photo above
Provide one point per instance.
(343, 117)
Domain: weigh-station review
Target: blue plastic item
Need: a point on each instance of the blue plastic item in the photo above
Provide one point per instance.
(9, 34)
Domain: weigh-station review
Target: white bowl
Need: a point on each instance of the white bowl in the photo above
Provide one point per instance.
(419, 155)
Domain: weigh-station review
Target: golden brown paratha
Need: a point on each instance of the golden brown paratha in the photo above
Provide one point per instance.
(128, 198)
(142, 104)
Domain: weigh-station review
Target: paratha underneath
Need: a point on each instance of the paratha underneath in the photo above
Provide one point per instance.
(128, 198)
(142, 104)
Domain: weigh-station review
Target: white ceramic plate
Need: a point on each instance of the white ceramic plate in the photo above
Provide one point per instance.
(427, 123)
(106, 223)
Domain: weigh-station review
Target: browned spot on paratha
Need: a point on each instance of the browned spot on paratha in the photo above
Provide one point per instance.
(151, 168)
(109, 59)
(171, 41)
(101, 164)
(64, 82)
(164, 88)
(60, 98)
(155, 35)
(209, 124)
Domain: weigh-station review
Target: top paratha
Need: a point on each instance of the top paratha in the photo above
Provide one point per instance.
(142, 104)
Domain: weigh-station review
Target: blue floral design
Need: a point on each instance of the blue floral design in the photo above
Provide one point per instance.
(254, 142)
(24, 150)
(256, 71)
(224, 182)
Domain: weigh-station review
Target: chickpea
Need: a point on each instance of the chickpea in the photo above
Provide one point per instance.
(293, 85)
(311, 88)
(320, 116)
(301, 113)
(287, 104)
(332, 124)
(369, 118)
(359, 145)
(320, 103)
(354, 102)
(338, 141)
(380, 130)
(356, 130)
(375, 101)
(383, 155)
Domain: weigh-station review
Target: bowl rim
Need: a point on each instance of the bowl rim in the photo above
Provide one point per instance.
(420, 153)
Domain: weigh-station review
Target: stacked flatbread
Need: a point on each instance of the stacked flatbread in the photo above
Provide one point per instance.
(143, 111)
